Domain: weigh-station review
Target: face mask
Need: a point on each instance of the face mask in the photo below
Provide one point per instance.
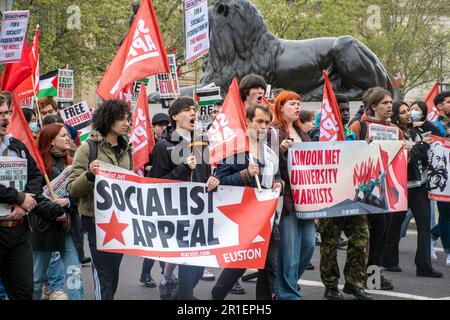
(416, 115)
(34, 127)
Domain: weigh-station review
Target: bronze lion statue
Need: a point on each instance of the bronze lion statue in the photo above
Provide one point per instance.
(241, 43)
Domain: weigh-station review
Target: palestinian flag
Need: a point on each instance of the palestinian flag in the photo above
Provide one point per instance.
(48, 84)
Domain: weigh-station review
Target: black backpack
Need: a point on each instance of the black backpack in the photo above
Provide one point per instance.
(93, 152)
(363, 131)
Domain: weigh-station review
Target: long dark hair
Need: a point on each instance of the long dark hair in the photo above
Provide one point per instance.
(408, 129)
(46, 136)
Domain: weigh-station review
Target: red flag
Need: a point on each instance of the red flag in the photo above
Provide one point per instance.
(331, 128)
(433, 112)
(141, 54)
(127, 93)
(19, 129)
(396, 179)
(227, 134)
(268, 105)
(142, 138)
(15, 73)
(30, 87)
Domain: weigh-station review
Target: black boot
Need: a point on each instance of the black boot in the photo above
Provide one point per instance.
(358, 293)
(333, 294)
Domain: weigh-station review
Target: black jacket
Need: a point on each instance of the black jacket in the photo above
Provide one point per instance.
(169, 160)
(47, 233)
(34, 176)
(418, 155)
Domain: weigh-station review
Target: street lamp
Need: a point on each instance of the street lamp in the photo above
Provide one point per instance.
(6, 5)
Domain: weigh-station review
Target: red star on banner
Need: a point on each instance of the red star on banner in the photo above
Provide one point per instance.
(113, 229)
(248, 214)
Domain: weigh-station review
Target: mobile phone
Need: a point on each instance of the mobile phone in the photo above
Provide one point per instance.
(426, 134)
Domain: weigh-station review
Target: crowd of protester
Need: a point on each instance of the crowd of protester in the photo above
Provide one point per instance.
(41, 241)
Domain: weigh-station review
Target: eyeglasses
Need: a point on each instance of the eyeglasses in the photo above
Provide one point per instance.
(5, 114)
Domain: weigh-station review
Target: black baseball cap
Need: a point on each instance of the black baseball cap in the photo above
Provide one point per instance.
(161, 118)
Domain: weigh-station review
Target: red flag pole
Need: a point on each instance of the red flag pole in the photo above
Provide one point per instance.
(39, 161)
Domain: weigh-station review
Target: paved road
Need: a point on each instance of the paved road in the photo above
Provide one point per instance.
(406, 284)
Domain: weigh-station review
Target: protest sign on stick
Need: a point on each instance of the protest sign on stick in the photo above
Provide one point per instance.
(196, 26)
(79, 116)
(12, 36)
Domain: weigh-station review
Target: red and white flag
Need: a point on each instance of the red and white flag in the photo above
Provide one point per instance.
(142, 138)
(433, 112)
(331, 128)
(141, 54)
(30, 87)
(227, 135)
(20, 130)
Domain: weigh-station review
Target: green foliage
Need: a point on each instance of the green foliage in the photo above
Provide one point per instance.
(407, 40)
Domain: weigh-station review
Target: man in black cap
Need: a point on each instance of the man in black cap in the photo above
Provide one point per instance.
(160, 122)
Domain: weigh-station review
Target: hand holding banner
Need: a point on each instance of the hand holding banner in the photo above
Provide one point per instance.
(182, 223)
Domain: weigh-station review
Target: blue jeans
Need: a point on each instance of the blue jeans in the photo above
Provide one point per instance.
(442, 229)
(72, 267)
(2, 291)
(55, 273)
(297, 241)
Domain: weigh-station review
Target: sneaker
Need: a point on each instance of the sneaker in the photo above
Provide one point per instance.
(433, 251)
(250, 274)
(447, 262)
(237, 289)
(148, 281)
(58, 295)
(208, 276)
(386, 284)
(45, 293)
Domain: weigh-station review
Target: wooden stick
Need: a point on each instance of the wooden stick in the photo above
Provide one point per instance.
(172, 84)
(194, 137)
(50, 188)
(256, 177)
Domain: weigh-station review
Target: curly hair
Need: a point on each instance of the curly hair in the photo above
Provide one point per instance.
(107, 113)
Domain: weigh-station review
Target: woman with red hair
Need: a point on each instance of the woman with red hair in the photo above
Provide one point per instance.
(60, 231)
(297, 237)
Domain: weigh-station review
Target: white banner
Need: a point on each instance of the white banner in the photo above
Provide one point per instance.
(182, 223)
(196, 26)
(380, 132)
(65, 85)
(330, 179)
(14, 30)
(164, 85)
(13, 174)
(79, 116)
(207, 97)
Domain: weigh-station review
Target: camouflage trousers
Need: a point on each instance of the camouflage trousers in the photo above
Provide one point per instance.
(357, 232)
